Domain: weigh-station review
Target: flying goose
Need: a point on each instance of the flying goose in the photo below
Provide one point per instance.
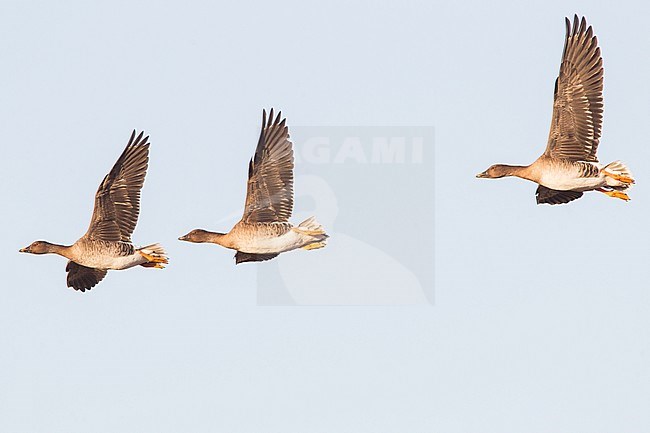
(569, 165)
(107, 243)
(264, 230)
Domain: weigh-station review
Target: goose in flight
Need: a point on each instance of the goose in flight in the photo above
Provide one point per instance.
(569, 166)
(107, 243)
(264, 230)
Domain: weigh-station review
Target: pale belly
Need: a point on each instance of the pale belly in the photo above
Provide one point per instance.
(265, 245)
(114, 263)
(571, 181)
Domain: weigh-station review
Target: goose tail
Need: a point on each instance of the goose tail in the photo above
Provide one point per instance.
(317, 238)
(618, 176)
(155, 255)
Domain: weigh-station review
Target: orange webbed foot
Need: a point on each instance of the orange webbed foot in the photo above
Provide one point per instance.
(157, 262)
(615, 194)
(619, 177)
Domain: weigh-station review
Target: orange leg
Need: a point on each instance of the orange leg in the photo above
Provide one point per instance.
(153, 265)
(615, 194)
(314, 246)
(157, 262)
(625, 179)
(308, 232)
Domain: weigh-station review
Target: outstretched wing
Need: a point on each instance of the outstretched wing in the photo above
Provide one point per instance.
(241, 257)
(578, 103)
(270, 174)
(551, 196)
(117, 201)
(83, 278)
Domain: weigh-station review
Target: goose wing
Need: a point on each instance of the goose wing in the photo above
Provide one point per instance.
(578, 103)
(551, 196)
(269, 196)
(83, 278)
(117, 201)
(242, 257)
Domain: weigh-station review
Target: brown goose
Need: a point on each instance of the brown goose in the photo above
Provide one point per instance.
(569, 165)
(264, 230)
(107, 243)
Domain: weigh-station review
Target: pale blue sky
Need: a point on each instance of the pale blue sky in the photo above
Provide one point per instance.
(541, 318)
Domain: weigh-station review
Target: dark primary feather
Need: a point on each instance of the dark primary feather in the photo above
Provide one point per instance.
(269, 196)
(578, 102)
(242, 257)
(83, 278)
(117, 202)
(551, 196)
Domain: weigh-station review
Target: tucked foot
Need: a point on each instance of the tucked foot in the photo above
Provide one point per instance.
(616, 194)
(153, 265)
(314, 246)
(308, 232)
(619, 177)
(154, 261)
(154, 258)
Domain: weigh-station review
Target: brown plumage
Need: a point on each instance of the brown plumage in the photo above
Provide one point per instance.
(264, 230)
(578, 99)
(569, 165)
(107, 242)
(83, 278)
(117, 201)
(269, 196)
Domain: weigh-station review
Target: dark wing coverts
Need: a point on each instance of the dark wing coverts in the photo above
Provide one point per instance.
(578, 103)
(117, 202)
(270, 175)
(552, 196)
(242, 257)
(83, 278)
